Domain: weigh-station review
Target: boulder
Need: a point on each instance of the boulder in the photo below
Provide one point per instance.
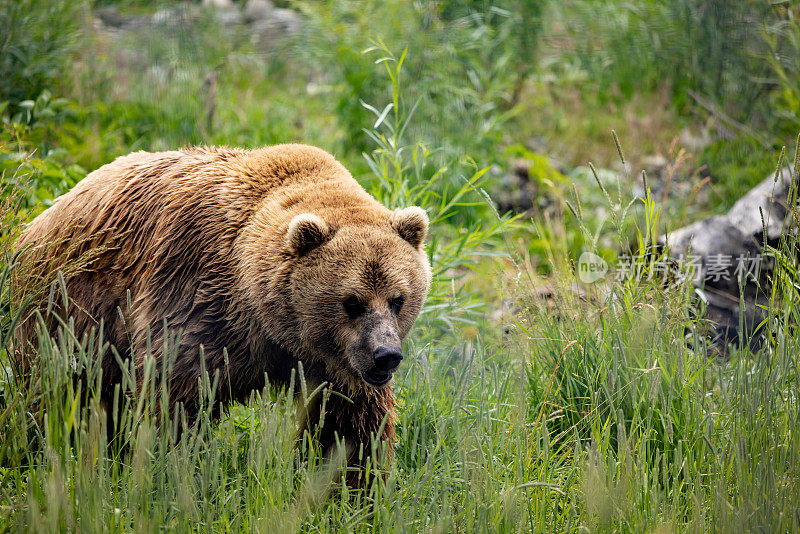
(218, 4)
(257, 10)
(727, 259)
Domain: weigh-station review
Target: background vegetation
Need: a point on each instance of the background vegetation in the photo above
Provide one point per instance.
(529, 401)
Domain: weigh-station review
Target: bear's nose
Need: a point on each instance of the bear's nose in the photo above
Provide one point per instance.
(387, 358)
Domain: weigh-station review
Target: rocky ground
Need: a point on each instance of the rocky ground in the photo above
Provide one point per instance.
(260, 19)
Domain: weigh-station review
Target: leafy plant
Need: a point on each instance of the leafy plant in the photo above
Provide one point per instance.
(28, 160)
(710, 49)
(469, 61)
(783, 41)
(407, 174)
(37, 41)
(735, 166)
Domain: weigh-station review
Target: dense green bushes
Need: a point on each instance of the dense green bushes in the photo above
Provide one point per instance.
(468, 61)
(36, 42)
(712, 48)
(783, 37)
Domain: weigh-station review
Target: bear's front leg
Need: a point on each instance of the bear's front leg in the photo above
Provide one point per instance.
(363, 423)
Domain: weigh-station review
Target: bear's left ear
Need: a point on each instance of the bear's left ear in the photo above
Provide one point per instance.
(412, 224)
(306, 232)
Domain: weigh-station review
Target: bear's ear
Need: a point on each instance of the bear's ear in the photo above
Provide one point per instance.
(306, 232)
(412, 224)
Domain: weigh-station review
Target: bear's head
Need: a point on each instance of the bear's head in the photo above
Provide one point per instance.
(356, 290)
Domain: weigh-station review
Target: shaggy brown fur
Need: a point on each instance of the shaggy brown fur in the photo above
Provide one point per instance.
(277, 255)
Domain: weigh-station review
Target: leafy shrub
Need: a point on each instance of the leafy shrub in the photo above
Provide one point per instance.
(736, 166)
(711, 48)
(468, 60)
(37, 40)
(29, 162)
(408, 174)
(783, 39)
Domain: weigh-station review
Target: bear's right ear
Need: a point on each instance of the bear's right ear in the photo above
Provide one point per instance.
(306, 232)
(412, 224)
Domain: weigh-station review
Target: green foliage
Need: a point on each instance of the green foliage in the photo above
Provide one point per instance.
(783, 39)
(666, 434)
(127, 3)
(28, 160)
(169, 73)
(36, 41)
(540, 170)
(696, 47)
(736, 166)
(468, 60)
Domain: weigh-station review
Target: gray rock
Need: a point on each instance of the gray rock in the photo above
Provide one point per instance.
(516, 192)
(175, 17)
(229, 17)
(110, 16)
(728, 257)
(218, 4)
(281, 23)
(771, 196)
(286, 20)
(256, 10)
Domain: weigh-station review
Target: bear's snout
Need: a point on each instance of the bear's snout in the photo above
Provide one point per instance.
(387, 359)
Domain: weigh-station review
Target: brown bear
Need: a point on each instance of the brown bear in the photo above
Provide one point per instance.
(261, 258)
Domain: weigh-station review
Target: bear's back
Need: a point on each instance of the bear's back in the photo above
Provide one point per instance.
(137, 191)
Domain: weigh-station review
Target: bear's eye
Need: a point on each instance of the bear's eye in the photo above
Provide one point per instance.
(354, 307)
(396, 304)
